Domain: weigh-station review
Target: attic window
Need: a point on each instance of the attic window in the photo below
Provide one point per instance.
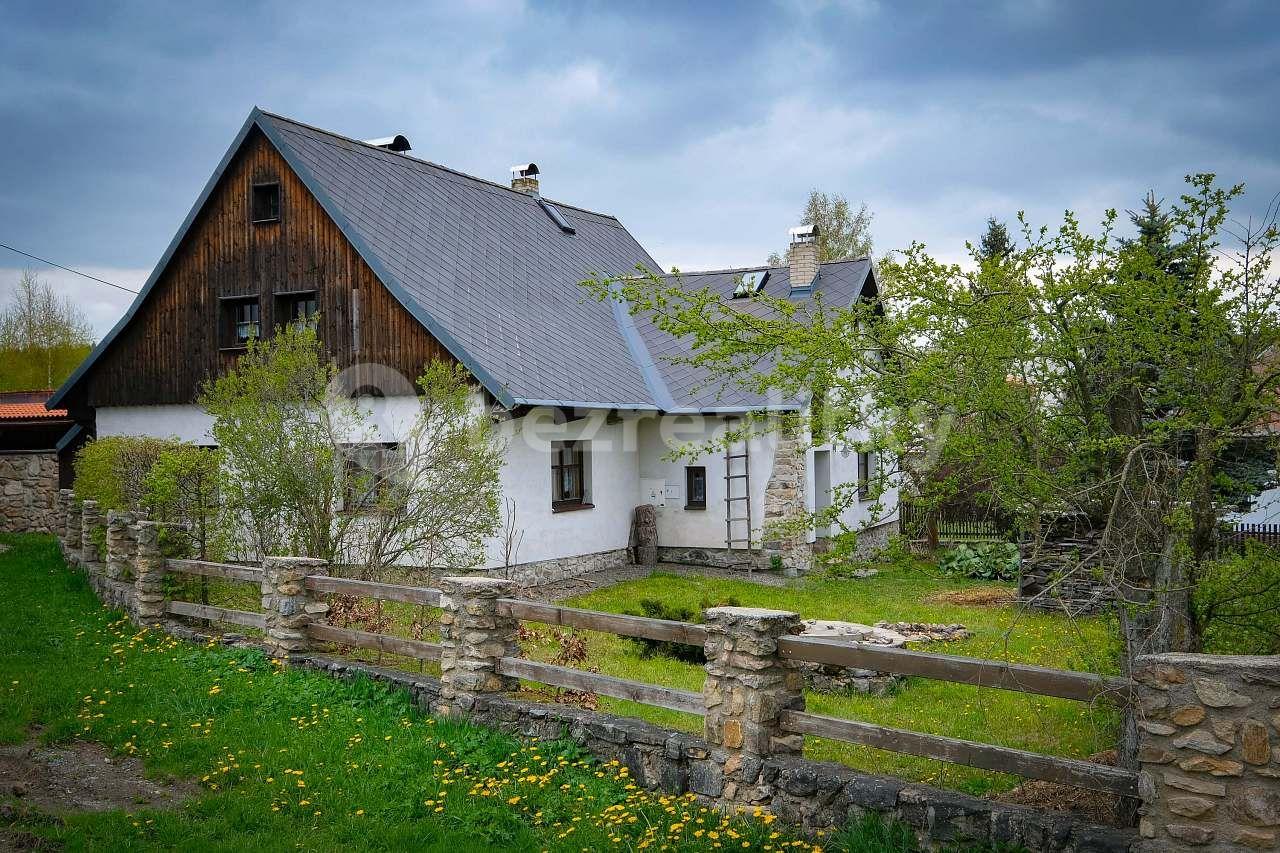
(300, 307)
(556, 216)
(750, 283)
(266, 202)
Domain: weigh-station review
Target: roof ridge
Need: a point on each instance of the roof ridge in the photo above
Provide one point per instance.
(760, 267)
(435, 165)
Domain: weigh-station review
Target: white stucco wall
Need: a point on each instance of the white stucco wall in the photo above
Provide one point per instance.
(612, 486)
(186, 423)
(844, 470)
(697, 528)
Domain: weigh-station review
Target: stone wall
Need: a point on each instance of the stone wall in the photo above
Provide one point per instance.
(719, 558)
(28, 492)
(562, 568)
(1209, 745)
(784, 501)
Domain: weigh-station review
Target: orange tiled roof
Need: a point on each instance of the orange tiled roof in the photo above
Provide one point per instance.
(29, 412)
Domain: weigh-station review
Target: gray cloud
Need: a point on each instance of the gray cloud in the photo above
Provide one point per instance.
(702, 126)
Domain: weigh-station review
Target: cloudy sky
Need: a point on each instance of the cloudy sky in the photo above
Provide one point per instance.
(701, 126)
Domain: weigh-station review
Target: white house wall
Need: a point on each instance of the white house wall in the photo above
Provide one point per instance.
(186, 423)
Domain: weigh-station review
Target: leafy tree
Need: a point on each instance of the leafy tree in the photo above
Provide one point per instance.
(296, 470)
(843, 232)
(1083, 376)
(42, 336)
(113, 470)
(183, 486)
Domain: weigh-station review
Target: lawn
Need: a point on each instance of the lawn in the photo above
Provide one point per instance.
(900, 592)
(282, 757)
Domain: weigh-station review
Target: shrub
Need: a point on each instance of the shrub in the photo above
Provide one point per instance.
(991, 561)
(113, 470)
(655, 609)
(1237, 602)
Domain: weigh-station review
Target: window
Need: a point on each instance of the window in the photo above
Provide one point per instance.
(695, 487)
(568, 476)
(370, 470)
(266, 203)
(299, 307)
(240, 322)
(866, 468)
(750, 283)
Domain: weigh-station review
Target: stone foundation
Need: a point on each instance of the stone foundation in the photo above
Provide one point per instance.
(718, 558)
(28, 492)
(561, 568)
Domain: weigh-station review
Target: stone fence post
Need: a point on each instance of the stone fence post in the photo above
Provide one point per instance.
(60, 521)
(90, 520)
(148, 574)
(748, 683)
(1209, 752)
(289, 606)
(73, 537)
(474, 636)
(120, 546)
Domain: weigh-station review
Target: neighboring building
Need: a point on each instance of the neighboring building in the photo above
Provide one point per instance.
(36, 444)
(408, 261)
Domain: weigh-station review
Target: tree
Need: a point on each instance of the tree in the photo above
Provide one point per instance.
(996, 243)
(310, 475)
(1084, 376)
(45, 336)
(843, 233)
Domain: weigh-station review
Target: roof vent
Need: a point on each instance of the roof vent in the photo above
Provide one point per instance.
(524, 178)
(398, 143)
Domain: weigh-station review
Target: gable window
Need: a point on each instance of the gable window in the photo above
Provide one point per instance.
(866, 468)
(241, 321)
(695, 487)
(266, 202)
(568, 476)
(297, 307)
(370, 471)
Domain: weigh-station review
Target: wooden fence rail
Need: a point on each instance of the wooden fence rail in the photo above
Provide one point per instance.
(1001, 675)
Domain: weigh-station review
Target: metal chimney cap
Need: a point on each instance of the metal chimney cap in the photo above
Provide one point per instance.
(524, 170)
(399, 143)
(803, 233)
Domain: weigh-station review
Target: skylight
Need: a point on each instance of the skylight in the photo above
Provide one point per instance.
(556, 216)
(750, 283)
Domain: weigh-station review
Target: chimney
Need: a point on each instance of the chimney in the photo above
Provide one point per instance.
(802, 256)
(524, 178)
(398, 143)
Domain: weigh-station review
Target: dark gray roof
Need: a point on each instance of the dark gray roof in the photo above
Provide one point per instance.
(692, 388)
(493, 277)
(483, 266)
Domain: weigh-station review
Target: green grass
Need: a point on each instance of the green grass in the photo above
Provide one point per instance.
(288, 758)
(898, 593)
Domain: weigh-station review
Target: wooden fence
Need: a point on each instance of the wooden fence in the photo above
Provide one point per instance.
(918, 523)
(1078, 686)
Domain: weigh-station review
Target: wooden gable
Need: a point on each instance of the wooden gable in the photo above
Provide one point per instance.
(176, 339)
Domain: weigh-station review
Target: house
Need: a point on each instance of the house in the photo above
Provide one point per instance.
(35, 447)
(406, 261)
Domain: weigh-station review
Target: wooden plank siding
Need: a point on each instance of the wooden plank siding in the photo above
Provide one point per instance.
(172, 345)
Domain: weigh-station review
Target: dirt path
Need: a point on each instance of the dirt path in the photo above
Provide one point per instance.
(39, 784)
(560, 590)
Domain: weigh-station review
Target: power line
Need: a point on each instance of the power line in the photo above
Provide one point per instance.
(68, 269)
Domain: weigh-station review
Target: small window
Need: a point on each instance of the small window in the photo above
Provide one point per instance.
(370, 472)
(695, 487)
(266, 202)
(300, 308)
(866, 468)
(750, 283)
(568, 475)
(240, 322)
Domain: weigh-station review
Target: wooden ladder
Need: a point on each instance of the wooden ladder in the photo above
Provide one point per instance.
(737, 498)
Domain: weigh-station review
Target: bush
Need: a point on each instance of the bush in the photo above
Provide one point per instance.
(989, 561)
(655, 609)
(1237, 603)
(113, 470)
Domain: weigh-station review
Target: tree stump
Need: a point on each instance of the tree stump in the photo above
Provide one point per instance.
(644, 536)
